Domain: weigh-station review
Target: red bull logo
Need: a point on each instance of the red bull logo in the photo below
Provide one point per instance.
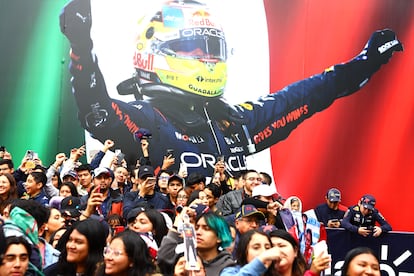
(144, 62)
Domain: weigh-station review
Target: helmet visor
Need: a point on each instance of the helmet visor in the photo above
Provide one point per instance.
(196, 48)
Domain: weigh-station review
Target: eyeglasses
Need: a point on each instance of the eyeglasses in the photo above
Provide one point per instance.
(109, 251)
(164, 177)
(182, 197)
(250, 220)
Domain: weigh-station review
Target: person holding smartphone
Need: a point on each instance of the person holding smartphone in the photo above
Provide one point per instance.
(102, 200)
(146, 193)
(364, 219)
(331, 212)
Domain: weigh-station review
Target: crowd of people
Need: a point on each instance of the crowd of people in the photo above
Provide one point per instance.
(74, 218)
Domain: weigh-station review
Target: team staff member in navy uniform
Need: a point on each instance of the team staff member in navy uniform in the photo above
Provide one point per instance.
(180, 76)
(330, 213)
(363, 217)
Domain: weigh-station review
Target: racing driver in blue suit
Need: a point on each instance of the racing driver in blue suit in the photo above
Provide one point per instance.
(178, 83)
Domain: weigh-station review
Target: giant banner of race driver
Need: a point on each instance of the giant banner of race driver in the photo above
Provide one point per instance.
(180, 78)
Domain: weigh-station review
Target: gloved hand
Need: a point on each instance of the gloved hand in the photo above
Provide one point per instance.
(75, 23)
(379, 48)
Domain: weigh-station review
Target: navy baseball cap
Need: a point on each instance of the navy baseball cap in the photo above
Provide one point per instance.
(176, 177)
(71, 206)
(247, 211)
(71, 173)
(145, 171)
(368, 201)
(333, 195)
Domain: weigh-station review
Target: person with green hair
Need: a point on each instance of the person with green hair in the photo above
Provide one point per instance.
(213, 236)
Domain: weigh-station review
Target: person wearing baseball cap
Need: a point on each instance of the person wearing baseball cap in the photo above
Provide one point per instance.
(331, 212)
(146, 192)
(103, 200)
(174, 184)
(364, 219)
(70, 208)
(247, 218)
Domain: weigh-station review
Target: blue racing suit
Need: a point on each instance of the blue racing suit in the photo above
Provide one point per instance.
(198, 128)
(353, 219)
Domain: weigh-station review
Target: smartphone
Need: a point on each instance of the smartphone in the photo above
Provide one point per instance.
(151, 180)
(183, 169)
(30, 155)
(2, 148)
(120, 156)
(30, 164)
(118, 229)
(169, 152)
(320, 248)
(220, 158)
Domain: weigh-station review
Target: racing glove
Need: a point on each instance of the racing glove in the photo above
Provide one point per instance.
(75, 23)
(378, 51)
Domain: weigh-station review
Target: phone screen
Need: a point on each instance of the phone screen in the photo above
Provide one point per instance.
(30, 155)
(120, 157)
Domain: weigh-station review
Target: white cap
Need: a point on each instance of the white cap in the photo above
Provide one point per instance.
(264, 190)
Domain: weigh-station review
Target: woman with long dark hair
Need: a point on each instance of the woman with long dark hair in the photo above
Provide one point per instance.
(148, 220)
(68, 189)
(254, 255)
(8, 190)
(289, 260)
(127, 255)
(83, 250)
